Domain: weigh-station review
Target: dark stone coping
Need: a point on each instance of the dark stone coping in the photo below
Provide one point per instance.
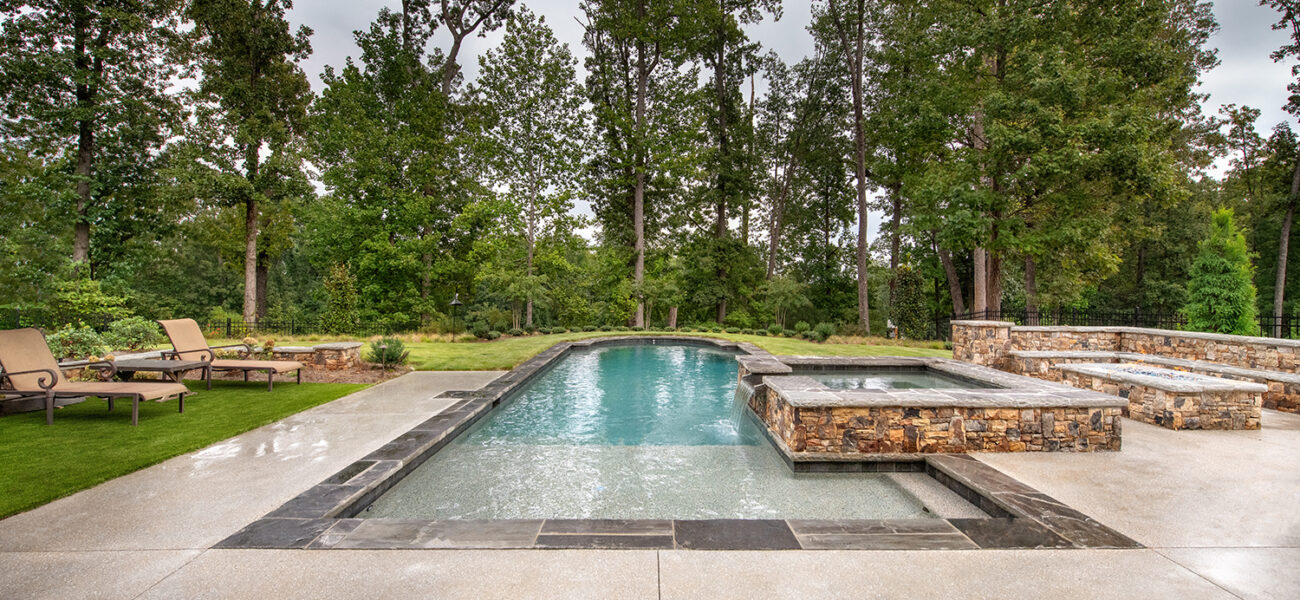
(1137, 357)
(1169, 333)
(1178, 381)
(1009, 390)
(325, 516)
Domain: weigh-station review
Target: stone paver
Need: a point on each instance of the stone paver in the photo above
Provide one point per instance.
(1219, 510)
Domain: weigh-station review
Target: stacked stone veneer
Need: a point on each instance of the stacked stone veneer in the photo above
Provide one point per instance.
(813, 422)
(990, 343)
(1176, 405)
(337, 356)
(860, 430)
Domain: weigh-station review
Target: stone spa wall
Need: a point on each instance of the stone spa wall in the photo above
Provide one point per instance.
(991, 343)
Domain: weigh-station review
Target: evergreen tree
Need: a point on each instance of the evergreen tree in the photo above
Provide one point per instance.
(341, 314)
(1221, 296)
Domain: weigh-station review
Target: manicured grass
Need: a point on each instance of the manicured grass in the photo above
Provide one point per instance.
(87, 444)
(507, 352)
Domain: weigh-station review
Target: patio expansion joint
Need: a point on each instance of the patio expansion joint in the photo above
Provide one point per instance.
(171, 573)
(1197, 574)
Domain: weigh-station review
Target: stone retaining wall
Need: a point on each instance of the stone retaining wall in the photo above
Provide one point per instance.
(843, 430)
(1209, 409)
(337, 356)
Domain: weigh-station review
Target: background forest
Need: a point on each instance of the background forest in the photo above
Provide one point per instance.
(170, 159)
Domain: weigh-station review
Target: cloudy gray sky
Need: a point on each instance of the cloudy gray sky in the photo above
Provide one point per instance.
(1246, 75)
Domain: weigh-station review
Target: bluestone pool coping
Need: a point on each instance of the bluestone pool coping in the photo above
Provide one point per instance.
(325, 516)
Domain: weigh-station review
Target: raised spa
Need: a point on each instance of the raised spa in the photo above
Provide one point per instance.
(640, 432)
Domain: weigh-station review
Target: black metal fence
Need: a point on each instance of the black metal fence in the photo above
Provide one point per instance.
(1288, 326)
(213, 328)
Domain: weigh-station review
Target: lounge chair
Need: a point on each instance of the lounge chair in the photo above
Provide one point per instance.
(188, 343)
(31, 370)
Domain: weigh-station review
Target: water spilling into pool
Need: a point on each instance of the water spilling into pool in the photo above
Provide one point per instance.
(630, 432)
(883, 379)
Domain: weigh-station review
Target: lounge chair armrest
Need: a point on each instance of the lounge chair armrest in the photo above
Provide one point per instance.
(107, 368)
(45, 383)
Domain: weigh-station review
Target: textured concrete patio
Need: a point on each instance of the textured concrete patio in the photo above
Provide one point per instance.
(1218, 510)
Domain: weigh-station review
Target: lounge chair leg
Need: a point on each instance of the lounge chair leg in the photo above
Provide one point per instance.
(245, 376)
(270, 375)
(181, 400)
(135, 411)
(299, 375)
(49, 408)
(110, 405)
(207, 374)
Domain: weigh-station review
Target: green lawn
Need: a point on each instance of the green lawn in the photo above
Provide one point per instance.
(87, 444)
(507, 352)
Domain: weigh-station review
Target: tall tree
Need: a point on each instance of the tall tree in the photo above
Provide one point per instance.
(84, 86)
(644, 113)
(530, 87)
(254, 94)
(848, 24)
(1290, 22)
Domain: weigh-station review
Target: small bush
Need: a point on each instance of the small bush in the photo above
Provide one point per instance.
(733, 330)
(825, 329)
(544, 330)
(516, 332)
(802, 326)
(589, 328)
(716, 330)
(388, 351)
(466, 337)
(638, 328)
(480, 331)
(815, 335)
(774, 329)
(492, 335)
(76, 342)
(761, 332)
(132, 333)
(789, 333)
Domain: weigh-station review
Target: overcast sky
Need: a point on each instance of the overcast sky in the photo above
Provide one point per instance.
(1246, 75)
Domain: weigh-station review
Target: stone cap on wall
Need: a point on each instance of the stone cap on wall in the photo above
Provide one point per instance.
(1217, 337)
(1162, 379)
(978, 323)
(337, 346)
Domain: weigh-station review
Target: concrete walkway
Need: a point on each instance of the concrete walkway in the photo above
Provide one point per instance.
(1220, 512)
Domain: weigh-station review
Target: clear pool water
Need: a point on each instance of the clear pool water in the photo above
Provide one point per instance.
(630, 432)
(887, 379)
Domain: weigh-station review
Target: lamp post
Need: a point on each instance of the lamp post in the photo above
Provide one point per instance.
(455, 301)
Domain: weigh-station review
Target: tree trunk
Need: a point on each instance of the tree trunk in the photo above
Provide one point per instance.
(1283, 245)
(722, 310)
(250, 258)
(895, 233)
(638, 194)
(85, 93)
(672, 317)
(1031, 291)
(532, 243)
(954, 280)
(980, 296)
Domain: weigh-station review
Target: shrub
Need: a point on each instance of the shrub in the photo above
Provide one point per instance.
(747, 331)
(716, 330)
(492, 335)
(732, 330)
(481, 331)
(1221, 297)
(466, 337)
(606, 328)
(802, 326)
(789, 333)
(825, 329)
(621, 328)
(910, 313)
(77, 341)
(544, 330)
(132, 333)
(814, 335)
(516, 332)
(388, 351)
(341, 315)
(774, 329)
(589, 328)
(82, 300)
(638, 328)
(761, 332)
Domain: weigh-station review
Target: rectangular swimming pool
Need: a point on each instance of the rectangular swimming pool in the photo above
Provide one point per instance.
(640, 432)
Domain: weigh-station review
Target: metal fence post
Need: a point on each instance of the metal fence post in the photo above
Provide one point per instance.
(228, 327)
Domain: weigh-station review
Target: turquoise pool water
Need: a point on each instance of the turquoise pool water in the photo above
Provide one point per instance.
(880, 379)
(630, 432)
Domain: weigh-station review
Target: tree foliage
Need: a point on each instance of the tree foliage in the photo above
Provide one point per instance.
(1221, 295)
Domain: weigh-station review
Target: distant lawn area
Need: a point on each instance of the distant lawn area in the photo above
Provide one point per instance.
(436, 353)
(507, 352)
(88, 445)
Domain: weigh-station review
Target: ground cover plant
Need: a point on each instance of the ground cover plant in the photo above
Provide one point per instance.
(88, 445)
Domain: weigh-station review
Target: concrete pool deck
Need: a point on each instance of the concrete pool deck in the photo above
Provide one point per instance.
(1219, 512)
